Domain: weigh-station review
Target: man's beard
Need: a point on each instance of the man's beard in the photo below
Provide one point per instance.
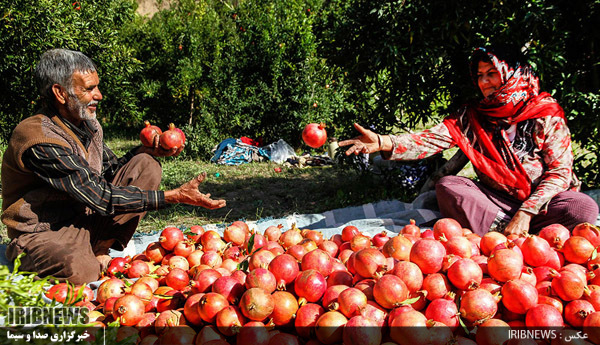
(81, 109)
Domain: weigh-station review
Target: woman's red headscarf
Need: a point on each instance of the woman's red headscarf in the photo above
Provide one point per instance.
(518, 99)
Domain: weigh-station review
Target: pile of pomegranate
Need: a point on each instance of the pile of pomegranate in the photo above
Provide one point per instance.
(444, 285)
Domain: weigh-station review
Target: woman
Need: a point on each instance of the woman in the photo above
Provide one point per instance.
(519, 144)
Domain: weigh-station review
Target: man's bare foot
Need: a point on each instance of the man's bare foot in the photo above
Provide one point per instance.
(103, 259)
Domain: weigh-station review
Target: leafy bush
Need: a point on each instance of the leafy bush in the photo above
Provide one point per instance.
(30, 27)
(264, 69)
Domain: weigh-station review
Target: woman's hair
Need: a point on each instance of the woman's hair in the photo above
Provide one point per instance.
(510, 54)
(56, 66)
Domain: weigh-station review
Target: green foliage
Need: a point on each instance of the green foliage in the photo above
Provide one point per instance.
(30, 27)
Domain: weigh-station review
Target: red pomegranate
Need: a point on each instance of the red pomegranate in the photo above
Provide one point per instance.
(577, 311)
(436, 285)
(148, 133)
(543, 316)
(555, 235)
(536, 251)
(306, 318)
(314, 135)
(210, 304)
(360, 330)
(477, 306)
(330, 327)
(444, 310)
(504, 265)
(318, 260)
(128, 310)
(411, 229)
(490, 240)
(398, 247)
(389, 291)
(410, 273)
(256, 304)
(465, 274)
(310, 286)
(428, 254)
(577, 249)
(169, 237)
(285, 308)
(519, 296)
(173, 138)
(230, 320)
(589, 231)
(448, 228)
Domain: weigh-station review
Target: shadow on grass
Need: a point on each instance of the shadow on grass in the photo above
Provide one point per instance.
(262, 195)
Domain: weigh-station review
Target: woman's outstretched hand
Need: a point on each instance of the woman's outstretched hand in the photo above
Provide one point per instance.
(367, 142)
(519, 224)
(189, 194)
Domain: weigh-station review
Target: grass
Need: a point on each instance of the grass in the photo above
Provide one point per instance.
(254, 191)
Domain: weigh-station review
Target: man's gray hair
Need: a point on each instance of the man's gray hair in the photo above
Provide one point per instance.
(56, 66)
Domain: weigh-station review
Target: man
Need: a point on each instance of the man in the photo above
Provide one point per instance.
(67, 198)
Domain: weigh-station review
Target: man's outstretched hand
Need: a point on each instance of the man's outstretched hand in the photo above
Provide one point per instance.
(189, 194)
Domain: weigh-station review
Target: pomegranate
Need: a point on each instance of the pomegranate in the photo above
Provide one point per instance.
(260, 258)
(411, 229)
(256, 304)
(555, 235)
(330, 297)
(519, 296)
(568, 286)
(351, 301)
(448, 228)
(229, 287)
(310, 286)
(576, 312)
(169, 237)
(178, 335)
(465, 274)
(137, 268)
(283, 339)
(194, 233)
(459, 246)
(428, 254)
(375, 312)
(412, 327)
(273, 232)
(155, 252)
(348, 232)
(112, 287)
(444, 310)
(380, 239)
(492, 331)
(490, 240)
(230, 320)
(128, 310)
(589, 231)
(398, 247)
(253, 332)
(204, 280)
(168, 319)
(306, 318)
(369, 263)
(330, 327)
(210, 304)
(478, 305)
(173, 138)
(543, 316)
(536, 251)
(172, 299)
(389, 291)
(285, 308)
(504, 265)
(184, 248)
(178, 279)
(359, 242)
(117, 265)
(410, 273)
(436, 285)
(148, 133)
(190, 309)
(577, 249)
(261, 278)
(591, 327)
(314, 135)
(551, 301)
(360, 330)
(235, 234)
(317, 260)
